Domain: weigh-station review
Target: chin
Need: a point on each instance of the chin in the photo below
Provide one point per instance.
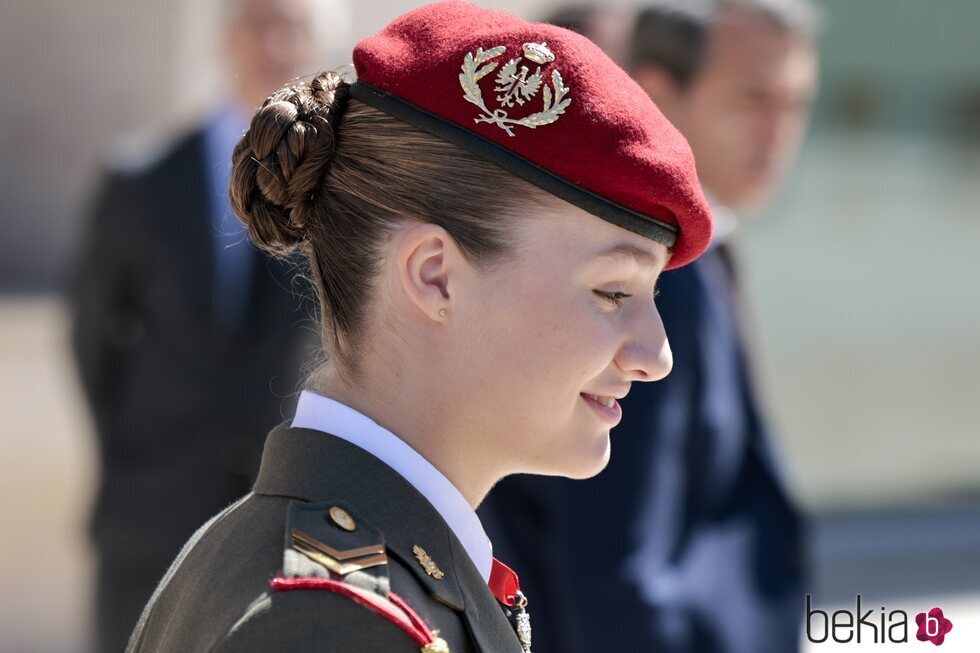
(585, 460)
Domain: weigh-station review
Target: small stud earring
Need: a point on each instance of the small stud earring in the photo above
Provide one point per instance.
(443, 312)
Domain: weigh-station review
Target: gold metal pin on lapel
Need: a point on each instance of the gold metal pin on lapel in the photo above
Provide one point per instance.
(428, 564)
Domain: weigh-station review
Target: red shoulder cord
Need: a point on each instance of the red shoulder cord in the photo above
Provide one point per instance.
(504, 583)
(415, 627)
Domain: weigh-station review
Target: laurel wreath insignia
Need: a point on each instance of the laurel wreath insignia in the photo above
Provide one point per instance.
(514, 83)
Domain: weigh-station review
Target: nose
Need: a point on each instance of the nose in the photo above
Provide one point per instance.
(646, 355)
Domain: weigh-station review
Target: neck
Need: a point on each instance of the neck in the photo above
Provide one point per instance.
(424, 421)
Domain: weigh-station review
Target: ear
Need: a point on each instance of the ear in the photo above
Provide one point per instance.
(425, 255)
(658, 83)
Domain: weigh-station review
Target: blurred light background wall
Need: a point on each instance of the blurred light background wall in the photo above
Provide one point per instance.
(864, 278)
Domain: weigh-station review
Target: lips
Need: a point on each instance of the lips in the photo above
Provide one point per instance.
(605, 406)
(605, 401)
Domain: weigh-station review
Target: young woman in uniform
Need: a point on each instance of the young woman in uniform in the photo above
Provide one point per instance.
(485, 211)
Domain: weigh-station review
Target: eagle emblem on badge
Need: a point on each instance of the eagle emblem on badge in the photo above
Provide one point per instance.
(515, 84)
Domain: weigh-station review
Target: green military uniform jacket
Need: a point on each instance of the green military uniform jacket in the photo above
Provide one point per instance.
(217, 595)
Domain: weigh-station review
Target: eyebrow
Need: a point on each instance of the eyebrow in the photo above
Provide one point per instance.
(642, 256)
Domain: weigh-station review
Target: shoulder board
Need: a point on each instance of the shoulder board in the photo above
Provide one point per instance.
(331, 540)
(330, 547)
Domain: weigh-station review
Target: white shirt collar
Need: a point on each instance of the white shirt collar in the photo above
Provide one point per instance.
(314, 411)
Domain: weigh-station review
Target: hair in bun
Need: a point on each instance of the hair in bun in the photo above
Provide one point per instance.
(280, 162)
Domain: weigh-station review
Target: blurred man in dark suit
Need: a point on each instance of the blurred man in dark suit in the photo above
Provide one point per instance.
(179, 325)
(687, 542)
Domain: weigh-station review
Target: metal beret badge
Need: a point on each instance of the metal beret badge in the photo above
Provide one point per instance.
(514, 85)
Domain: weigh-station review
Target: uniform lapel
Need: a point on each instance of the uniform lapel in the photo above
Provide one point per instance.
(314, 466)
(484, 616)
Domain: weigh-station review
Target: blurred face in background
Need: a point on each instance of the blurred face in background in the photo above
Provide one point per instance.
(268, 43)
(746, 110)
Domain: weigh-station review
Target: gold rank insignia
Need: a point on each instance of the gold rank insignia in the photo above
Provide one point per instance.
(339, 562)
(428, 564)
(515, 83)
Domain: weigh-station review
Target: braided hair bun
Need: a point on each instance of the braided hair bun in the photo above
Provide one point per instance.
(279, 163)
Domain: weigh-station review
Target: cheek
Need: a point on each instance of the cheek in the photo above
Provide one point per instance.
(534, 346)
(556, 346)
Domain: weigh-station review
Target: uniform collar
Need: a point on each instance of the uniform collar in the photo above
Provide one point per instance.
(316, 412)
(318, 467)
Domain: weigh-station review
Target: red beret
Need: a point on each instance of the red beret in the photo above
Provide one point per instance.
(546, 104)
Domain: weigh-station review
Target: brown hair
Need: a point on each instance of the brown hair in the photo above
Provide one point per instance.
(332, 176)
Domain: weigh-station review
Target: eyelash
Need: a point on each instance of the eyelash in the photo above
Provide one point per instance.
(615, 297)
(618, 297)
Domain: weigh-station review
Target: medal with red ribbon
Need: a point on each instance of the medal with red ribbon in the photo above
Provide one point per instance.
(506, 587)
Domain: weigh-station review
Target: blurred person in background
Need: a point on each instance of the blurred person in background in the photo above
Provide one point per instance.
(608, 26)
(187, 337)
(713, 557)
